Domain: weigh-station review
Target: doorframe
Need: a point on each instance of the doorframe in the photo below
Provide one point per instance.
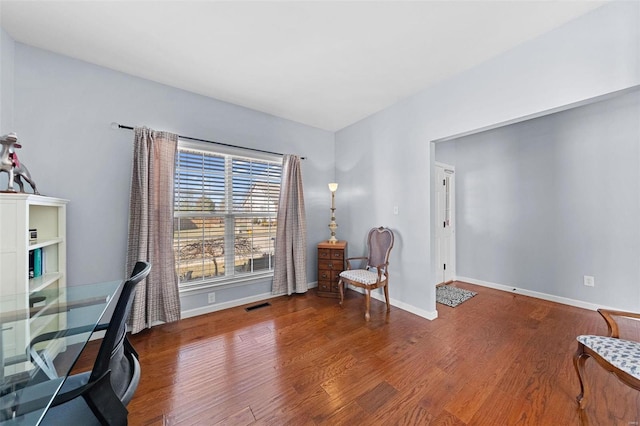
(452, 250)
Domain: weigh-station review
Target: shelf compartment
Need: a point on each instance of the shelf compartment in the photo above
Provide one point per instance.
(45, 242)
(43, 281)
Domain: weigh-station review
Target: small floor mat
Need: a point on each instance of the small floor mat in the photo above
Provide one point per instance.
(452, 296)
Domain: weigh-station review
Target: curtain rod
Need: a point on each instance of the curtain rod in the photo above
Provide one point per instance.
(120, 126)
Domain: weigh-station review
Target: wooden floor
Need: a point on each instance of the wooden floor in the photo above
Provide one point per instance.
(497, 359)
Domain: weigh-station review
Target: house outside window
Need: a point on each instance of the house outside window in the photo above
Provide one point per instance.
(225, 207)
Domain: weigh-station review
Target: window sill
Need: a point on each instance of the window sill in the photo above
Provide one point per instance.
(225, 282)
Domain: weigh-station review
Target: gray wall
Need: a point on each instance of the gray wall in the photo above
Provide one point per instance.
(386, 159)
(6, 82)
(544, 202)
(62, 113)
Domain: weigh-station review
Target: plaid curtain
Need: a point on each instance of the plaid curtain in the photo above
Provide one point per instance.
(290, 270)
(151, 228)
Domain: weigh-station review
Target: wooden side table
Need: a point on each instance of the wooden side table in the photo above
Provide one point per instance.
(331, 259)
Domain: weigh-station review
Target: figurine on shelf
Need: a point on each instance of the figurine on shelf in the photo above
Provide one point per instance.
(9, 163)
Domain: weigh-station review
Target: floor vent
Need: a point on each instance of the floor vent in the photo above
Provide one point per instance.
(258, 306)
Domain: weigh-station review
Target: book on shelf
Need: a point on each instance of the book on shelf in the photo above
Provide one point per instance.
(37, 262)
(31, 270)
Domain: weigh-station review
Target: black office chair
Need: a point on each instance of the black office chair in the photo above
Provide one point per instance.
(101, 395)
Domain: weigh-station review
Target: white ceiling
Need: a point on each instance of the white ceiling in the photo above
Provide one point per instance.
(325, 64)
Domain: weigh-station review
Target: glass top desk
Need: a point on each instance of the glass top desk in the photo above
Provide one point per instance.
(34, 350)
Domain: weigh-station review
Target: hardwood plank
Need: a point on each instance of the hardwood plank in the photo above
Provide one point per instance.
(499, 358)
(350, 414)
(374, 399)
(242, 418)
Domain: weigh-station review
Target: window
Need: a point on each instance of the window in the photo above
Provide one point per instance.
(225, 210)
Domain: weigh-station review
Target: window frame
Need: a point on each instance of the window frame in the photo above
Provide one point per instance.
(234, 279)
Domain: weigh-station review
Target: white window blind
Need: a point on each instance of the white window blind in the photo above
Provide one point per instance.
(225, 209)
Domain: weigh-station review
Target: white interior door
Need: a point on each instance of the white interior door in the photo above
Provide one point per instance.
(445, 223)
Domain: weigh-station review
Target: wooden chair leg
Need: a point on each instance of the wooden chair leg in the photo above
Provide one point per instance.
(367, 298)
(386, 297)
(579, 360)
(340, 285)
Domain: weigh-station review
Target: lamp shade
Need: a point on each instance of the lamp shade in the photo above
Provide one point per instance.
(333, 187)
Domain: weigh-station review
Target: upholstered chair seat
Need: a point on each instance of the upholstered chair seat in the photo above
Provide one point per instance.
(622, 354)
(362, 276)
(618, 356)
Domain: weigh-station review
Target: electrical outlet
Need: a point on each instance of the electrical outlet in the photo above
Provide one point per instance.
(395, 209)
(211, 297)
(589, 281)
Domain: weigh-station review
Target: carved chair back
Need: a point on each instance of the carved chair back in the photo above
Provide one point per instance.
(380, 241)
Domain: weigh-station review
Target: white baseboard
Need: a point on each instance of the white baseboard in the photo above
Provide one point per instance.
(234, 303)
(214, 308)
(536, 294)
(430, 315)
(226, 305)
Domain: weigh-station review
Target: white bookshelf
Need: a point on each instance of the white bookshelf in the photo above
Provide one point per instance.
(19, 213)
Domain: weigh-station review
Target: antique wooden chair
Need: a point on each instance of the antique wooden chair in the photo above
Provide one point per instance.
(376, 271)
(619, 357)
